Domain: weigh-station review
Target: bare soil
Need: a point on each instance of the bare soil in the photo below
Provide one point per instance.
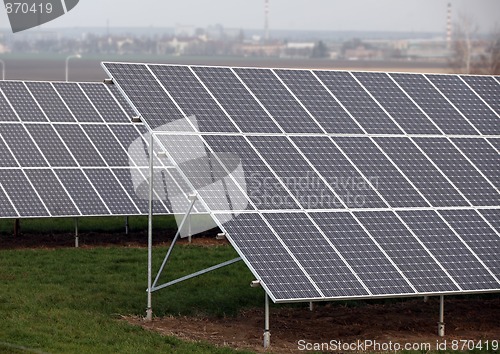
(383, 322)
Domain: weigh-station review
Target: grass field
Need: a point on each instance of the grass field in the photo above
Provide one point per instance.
(71, 300)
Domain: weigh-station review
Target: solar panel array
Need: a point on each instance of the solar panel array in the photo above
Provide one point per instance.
(356, 184)
(70, 149)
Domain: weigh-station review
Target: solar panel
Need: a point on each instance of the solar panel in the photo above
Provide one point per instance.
(70, 149)
(292, 146)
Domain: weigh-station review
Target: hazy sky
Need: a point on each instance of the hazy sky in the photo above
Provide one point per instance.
(343, 15)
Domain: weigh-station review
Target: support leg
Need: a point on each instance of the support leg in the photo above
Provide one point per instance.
(311, 306)
(149, 309)
(76, 233)
(267, 333)
(17, 227)
(441, 316)
(126, 225)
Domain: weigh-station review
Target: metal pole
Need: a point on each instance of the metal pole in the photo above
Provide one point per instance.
(17, 227)
(126, 225)
(267, 334)
(67, 62)
(189, 229)
(441, 316)
(76, 232)
(149, 310)
(311, 306)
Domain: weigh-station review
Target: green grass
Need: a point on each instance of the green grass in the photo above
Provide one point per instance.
(70, 300)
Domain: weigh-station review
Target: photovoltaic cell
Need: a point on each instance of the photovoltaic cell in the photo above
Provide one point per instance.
(406, 252)
(79, 145)
(21, 145)
(149, 97)
(6, 112)
(6, 160)
(274, 265)
(463, 175)
(434, 104)
(22, 101)
(362, 253)
(232, 95)
(21, 193)
(303, 182)
(386, 179)
(483, 155)
(355, 99)
(121, 100)
(51, 145)
(280, 104)
(77, 102)
(50, 102)
(82, 192)
(349, 184)
(52, 193)
(107, 145)
(105, 103)
(6, 207)
(111, 192)
(493, 217)
(262, 187)
(487, 87)
(316, 256)
(426, 178)
(448, 249)
(480, 115)
(193, 98)
(480, 237)
(319, 102)
(409, 117)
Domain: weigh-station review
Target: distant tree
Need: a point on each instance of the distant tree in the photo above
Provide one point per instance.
(461, 56)
(320, 50)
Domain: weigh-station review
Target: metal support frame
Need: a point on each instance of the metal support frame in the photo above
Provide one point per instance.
(17, 227)
(311, 306)
(441, 316)
(267, 333)
(76, 233)
(126, 225)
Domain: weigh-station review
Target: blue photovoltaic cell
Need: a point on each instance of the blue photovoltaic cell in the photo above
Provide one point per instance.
(483, 156)
(104, 102)
(349, 184)
(52, 193)
(148, 96)
(278, 101)
(22, 101)
(21, 193)
(50, 102)
(487, 87)
(478, 235)
(79, 145)
(109, 148)
(21, 145)
(366, 259)
(316, 256)
(193, 98)
(493, 217)
(51, 145)
(262, 187)
(471, 106)
(319, 102)
(460, 263)
(82, 192)
(111, 192)
(6, 158)
(409, 117)
(385, 178)
(6, 112)
(270, 261)
(307, 187)
(357, 101)
(406, 252)
(436, 107)
(463, 175)
(239, 104)
(77, 102)
(420, 171)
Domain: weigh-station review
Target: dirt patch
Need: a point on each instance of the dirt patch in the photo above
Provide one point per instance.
(409, 321)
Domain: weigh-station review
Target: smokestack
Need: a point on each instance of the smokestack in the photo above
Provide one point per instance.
(448, 27)
(266, 23)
